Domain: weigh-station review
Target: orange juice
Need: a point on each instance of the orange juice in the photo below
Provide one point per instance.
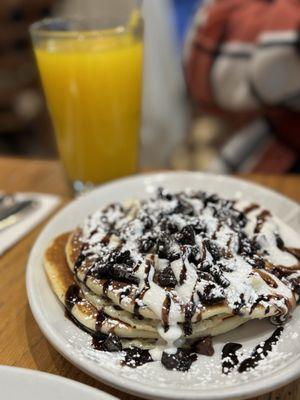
(92, 85)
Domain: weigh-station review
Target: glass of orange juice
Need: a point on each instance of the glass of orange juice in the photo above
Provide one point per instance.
(91, 72)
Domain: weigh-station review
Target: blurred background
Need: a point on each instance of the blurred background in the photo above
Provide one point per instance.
(221, 84)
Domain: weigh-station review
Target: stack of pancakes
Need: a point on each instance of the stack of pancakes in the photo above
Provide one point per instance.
(166, 271)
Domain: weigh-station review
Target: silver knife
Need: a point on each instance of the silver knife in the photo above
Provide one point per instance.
(15, 212)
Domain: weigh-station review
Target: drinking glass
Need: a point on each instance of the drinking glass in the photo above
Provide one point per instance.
(91, 72)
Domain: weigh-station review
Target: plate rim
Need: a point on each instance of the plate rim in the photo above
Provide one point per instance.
(53, 378)
(262, 385)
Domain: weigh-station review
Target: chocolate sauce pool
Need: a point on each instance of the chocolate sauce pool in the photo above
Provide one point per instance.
(230, 359)
(260, 351)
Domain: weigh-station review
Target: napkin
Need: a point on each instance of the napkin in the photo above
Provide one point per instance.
(11, 235)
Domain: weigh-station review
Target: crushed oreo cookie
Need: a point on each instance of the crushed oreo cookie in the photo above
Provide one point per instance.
(179, 361)
(135, 357)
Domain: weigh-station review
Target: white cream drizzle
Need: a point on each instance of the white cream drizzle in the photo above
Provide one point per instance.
(242, 280)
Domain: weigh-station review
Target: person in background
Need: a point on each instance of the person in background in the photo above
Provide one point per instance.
(242, 63)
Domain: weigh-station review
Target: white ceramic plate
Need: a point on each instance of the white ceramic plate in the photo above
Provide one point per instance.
(26, 384)
(204, 380)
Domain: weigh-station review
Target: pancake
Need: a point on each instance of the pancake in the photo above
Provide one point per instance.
(115, 289)
(82, 310)
(166, 271)
(86, 307)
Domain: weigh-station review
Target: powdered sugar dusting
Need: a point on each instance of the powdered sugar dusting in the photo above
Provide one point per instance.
(206, 372)
(215, 248)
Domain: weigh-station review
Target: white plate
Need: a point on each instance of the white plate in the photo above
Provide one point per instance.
(204, 380)
(26, 384)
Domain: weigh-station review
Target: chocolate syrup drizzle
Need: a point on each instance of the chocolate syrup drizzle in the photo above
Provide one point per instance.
(229, 357)
(186, 237)
(251, 208)
(260, 352)
(165, 312)
(133, 357)
(261, 219)
(141, 294)
(73, 296)
(158, 238)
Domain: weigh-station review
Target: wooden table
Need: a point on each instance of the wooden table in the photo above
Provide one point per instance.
(21, 341)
